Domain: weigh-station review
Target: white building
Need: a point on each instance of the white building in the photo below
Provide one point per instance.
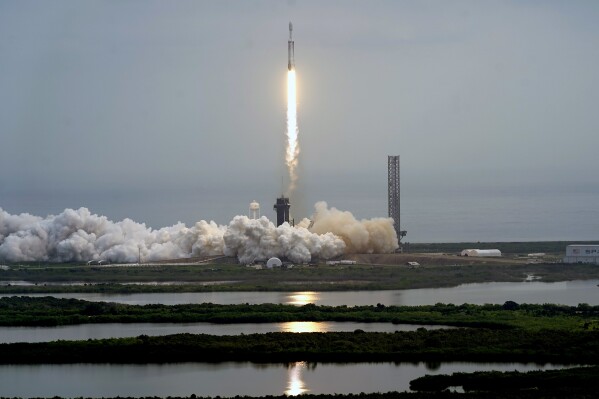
(481, 252)
(340, 262)
(582, 254)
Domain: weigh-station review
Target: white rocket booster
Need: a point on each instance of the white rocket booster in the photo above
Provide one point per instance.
(290, 49)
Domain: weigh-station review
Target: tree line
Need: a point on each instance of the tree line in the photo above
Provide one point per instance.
(476, 345)
(50, 311)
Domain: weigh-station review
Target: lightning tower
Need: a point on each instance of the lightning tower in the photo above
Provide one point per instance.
(393, 194)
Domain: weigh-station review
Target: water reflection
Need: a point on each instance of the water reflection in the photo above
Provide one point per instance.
(303, 298)
(304, 326)
(295, 384)
(121, 330)
(432, 366)
(226, 379)
(566, 293)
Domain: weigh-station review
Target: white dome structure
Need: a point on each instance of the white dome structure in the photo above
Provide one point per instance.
(273, 262)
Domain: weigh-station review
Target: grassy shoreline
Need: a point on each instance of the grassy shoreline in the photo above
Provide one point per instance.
(49, 311)
(564, 380)
(472, 345)
(211, 278)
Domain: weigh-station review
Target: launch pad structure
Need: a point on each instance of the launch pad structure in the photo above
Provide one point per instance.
(282, 208)
(393, 194)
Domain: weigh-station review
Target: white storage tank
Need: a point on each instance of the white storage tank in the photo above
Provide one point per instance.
(582, 253)
(481, 252)
(254, 210)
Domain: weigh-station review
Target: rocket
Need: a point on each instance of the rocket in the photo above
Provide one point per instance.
(290, 50)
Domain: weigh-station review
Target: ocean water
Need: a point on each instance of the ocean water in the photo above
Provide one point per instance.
(458, 217)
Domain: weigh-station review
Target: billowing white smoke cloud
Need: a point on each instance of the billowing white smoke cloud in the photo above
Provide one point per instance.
(366, 236)
(78, 235)
(254, 239)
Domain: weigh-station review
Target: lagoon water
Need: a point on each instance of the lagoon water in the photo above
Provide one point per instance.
(232, 378)
(225, 379)
(121, 330)
(564, 292)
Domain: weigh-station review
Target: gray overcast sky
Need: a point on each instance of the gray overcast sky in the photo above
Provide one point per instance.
(109, 104)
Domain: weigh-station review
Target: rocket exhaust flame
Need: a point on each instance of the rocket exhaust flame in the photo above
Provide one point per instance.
(292, 152)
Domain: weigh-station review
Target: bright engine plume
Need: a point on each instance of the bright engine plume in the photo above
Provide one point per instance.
(292, 150)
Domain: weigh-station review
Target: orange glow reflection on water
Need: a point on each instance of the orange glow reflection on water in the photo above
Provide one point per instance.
(303, 298)
(304, 326)
(295, 385)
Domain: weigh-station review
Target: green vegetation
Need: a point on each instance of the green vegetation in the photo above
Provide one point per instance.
(476, 345)
(510, 332)
(121, 274)
(585, 379)
(207, 278)
(49, 311)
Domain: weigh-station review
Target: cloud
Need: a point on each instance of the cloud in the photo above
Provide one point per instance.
(79, 235)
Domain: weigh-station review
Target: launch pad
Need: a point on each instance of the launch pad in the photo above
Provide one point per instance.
(282, 208)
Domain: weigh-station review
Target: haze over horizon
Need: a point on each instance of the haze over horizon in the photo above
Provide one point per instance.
(175, 111)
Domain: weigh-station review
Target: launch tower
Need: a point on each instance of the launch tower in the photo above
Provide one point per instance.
(282, 207)
(393, 194)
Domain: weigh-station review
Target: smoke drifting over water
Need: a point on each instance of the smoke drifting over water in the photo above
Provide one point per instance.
(79, 235)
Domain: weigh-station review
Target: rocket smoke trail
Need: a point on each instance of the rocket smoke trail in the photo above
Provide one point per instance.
(292, 152)
(291, 156)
